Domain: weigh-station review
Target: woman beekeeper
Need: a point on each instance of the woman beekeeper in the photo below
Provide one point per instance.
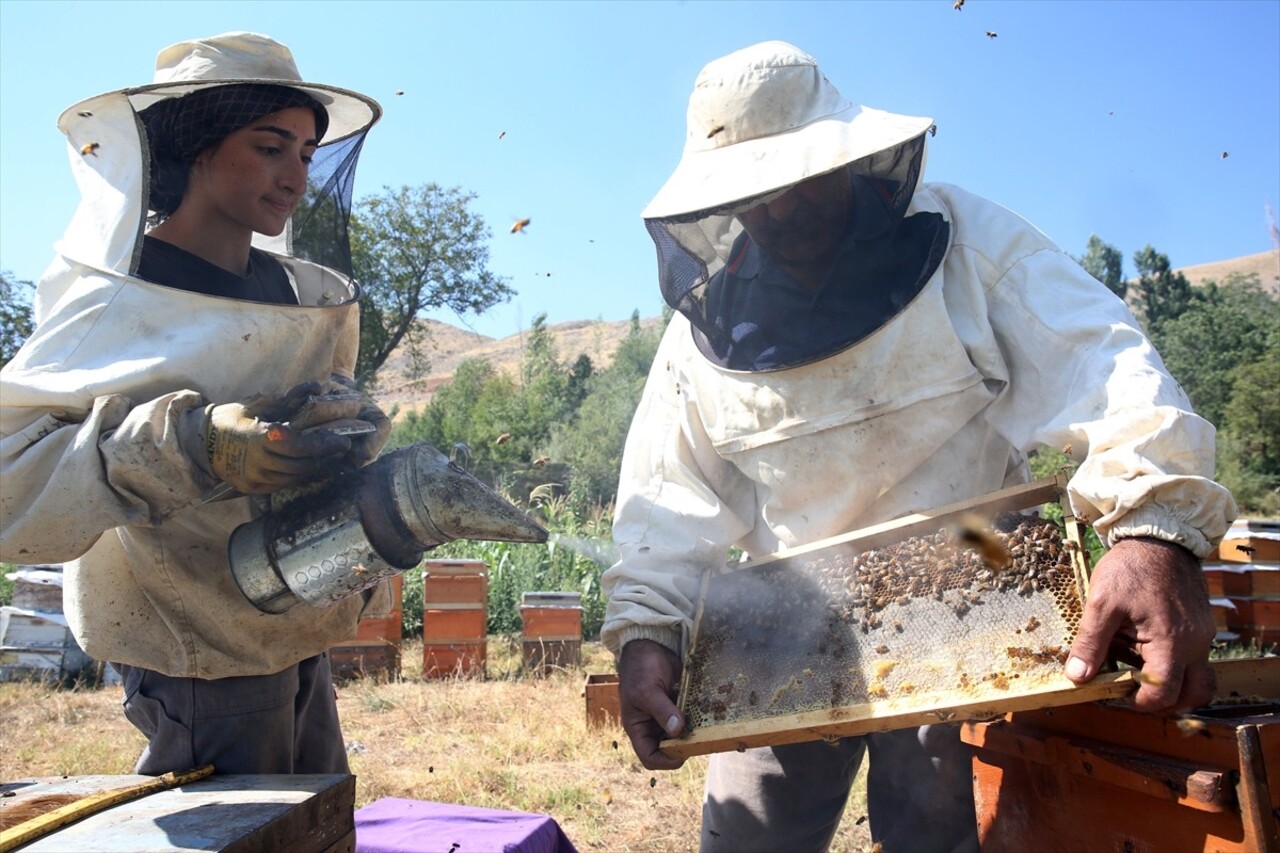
(135, 421)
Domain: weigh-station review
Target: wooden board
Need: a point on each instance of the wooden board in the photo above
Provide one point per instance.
(234, 813)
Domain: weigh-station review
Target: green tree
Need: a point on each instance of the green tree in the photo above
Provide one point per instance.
(16, 322)
(1162, 294)
(593, 441)
(415, 249)
(1249, 446)
(1105, 263)
(1231, 325)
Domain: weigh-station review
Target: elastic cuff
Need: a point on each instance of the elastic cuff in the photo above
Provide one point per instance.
(1159, 523)
(663, 636)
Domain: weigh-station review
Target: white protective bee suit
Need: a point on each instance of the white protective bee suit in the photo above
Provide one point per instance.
(96, 473)
(1004, 344)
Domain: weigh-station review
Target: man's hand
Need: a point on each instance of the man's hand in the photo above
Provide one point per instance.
(1148, 606)
(648, 679)
(251, 448)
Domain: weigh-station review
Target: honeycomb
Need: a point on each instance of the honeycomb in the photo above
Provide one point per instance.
(942, 619)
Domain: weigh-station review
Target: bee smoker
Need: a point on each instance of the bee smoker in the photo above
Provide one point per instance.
(366, 526)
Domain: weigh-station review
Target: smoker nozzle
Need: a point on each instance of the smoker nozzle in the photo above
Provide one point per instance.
(367, 527)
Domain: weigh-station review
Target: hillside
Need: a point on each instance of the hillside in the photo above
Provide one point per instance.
(450, 346)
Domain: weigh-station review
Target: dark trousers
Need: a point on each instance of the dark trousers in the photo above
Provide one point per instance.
(281, 723)
(919, 794)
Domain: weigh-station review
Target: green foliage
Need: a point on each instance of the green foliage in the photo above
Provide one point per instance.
(573, 560)
(1249, 441)
(1105, 263)
(415, 249)
(593, 440)
(1161, 293)
(1047, 462)
(6, 585)
(1230, 326)
(16, 323)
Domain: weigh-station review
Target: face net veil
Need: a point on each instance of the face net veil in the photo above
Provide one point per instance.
(178, 129)
(747, 314)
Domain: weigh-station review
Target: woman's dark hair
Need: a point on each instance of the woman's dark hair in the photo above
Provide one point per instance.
(179, 129)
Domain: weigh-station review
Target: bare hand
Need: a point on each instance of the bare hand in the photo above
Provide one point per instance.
(648, 678)
(1148, 606)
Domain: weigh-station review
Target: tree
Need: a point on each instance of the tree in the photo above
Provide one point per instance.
(1162, 294)
(415, 249)
(1230, 326)
(1105, 263)
(593, 441)
(1249, 446)
(16, 322)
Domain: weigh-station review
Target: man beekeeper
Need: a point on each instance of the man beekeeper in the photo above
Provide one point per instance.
(146, 407)
(850, 346)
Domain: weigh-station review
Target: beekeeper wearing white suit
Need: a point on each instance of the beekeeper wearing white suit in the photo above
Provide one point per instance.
(176, 334)
(852, 345)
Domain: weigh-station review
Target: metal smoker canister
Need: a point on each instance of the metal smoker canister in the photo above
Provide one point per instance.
(366, 528)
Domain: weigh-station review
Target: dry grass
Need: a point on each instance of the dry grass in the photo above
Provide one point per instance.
(508, 742)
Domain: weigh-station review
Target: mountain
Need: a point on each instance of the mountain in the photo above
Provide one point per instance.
(449, 345)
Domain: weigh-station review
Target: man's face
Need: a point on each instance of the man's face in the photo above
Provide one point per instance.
(806, 223)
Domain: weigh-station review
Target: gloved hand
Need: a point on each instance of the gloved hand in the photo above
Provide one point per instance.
(365, 447)
(252, 449)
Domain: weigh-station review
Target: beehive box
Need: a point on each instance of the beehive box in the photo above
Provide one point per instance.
(551, 630)
(604, 707)
(1103, 777)
(892, 626)
(455, 617)
(233, 813)
(375, 649)
(39, 645)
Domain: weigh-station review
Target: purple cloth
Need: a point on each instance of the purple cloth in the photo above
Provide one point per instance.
(393, 825)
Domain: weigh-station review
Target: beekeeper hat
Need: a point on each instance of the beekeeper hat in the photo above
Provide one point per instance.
(241, 57)
(763, 118)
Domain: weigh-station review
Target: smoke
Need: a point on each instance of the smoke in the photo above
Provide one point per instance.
(602, 553)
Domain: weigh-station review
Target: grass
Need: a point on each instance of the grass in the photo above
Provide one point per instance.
(509, 742)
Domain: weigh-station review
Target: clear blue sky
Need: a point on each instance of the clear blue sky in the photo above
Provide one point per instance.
(1085, 117)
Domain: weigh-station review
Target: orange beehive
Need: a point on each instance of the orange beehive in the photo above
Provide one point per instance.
(375, 649)
(455, 617)
(552, 629)
(1104, 777)
(603, 705)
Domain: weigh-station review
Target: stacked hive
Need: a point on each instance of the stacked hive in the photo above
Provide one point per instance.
(35, 641)
(1243, 575)
(375, 649)
(552, 629)
(455, 617)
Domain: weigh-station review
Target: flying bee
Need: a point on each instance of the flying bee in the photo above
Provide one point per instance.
(1248, 549)
(992, 34)
(1224, 155)
(717, 129)
(502, 439)
(91, 148)
(540, 461)
(1189, 726)
(502, 134)
(84, 114)
(972, 531)
(958, 5)
(1147, 678)
(520, 225)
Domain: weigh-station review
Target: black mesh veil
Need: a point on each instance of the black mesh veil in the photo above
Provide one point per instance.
(885, 256)
(321, 222)
(693, 247)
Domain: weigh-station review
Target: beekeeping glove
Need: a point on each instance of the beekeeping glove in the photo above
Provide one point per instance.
(263, 444)
(365, 446)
